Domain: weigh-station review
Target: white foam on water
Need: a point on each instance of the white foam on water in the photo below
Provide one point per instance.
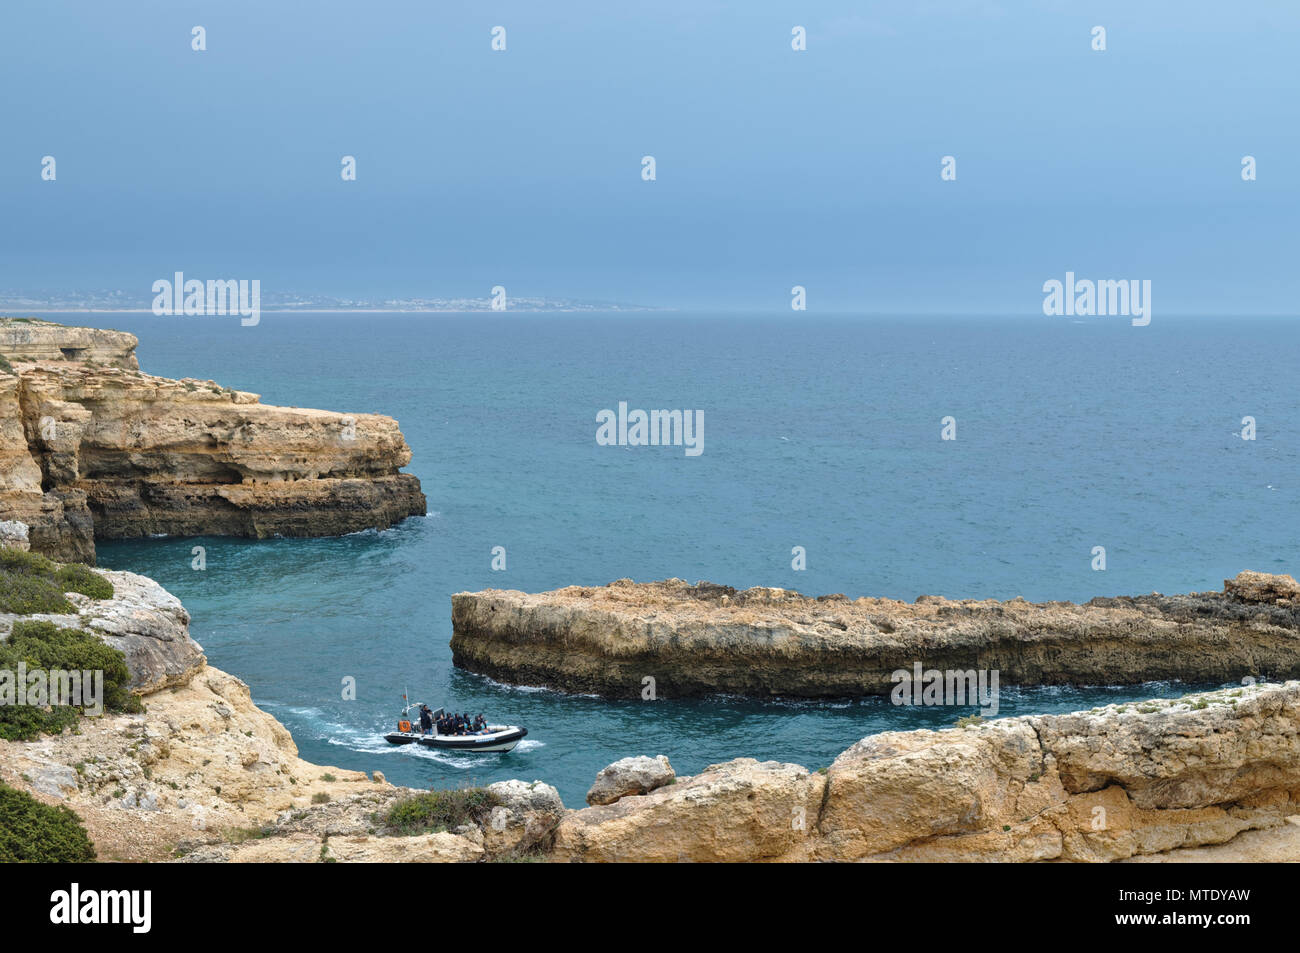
(530, 689)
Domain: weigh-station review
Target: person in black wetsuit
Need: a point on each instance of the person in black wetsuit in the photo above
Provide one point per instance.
(426, 719)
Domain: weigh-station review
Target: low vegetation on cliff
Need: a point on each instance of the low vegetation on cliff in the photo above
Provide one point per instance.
(30, 583)
(32, 832)
(438, 811)
(43, 645)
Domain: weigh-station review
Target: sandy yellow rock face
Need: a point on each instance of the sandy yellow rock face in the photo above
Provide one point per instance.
(202, 761)
(90, 446)
(1110, 784)
(442, 847)
(1118, 783)
(31, 339)
(707, 639)
(743, 810)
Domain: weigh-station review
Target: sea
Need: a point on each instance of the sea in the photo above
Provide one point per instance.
(1087, 457)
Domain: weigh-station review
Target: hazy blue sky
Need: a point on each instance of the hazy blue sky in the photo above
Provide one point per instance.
(775, 168)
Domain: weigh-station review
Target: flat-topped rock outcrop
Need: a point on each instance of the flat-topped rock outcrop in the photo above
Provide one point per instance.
(91, 447)
(706, 638)
(31, 339)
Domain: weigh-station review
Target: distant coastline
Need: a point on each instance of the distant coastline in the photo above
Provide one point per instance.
(511, 310)
(119, 302)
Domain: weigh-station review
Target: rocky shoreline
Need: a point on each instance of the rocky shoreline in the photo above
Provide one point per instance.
(91, 447)
(710, 639)
(203, 775)
(1115, 783)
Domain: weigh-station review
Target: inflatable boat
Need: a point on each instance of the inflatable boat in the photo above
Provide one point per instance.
(494, 738)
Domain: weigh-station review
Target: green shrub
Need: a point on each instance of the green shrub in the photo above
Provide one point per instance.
(28, 722)
(30, 583)
(44, 645)
(74, 577)
(5, 365)
(33, 832)
(240, 835)
(439, 810)
(29, 595)
(22, 561)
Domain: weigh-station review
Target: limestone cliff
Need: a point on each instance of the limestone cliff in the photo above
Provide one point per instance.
(1144, 782)
(90, 447)
(703, 639)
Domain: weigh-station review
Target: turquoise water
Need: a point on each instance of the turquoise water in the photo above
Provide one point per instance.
(819, 432)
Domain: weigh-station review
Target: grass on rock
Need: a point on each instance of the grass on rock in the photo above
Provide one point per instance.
(436, 811)
(31, 584)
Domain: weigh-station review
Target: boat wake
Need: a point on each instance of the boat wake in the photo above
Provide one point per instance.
(311, 723)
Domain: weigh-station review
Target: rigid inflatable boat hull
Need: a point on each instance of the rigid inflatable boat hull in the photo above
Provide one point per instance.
(500, 739)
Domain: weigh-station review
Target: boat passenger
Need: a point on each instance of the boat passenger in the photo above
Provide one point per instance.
(426, 719)
(480, 723)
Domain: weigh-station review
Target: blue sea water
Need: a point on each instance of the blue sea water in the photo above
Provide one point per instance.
(820, 432)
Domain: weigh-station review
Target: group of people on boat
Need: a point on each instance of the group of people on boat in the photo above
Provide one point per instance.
(452, 724)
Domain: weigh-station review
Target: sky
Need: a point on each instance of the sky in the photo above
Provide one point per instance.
(774, 167)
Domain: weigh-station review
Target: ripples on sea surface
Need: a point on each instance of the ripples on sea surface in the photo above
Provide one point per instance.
(819, 432)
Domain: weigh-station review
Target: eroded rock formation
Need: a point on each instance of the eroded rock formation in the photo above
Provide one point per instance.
(639, 775)
(1143, 781)
(705, 639)
(91, 447)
